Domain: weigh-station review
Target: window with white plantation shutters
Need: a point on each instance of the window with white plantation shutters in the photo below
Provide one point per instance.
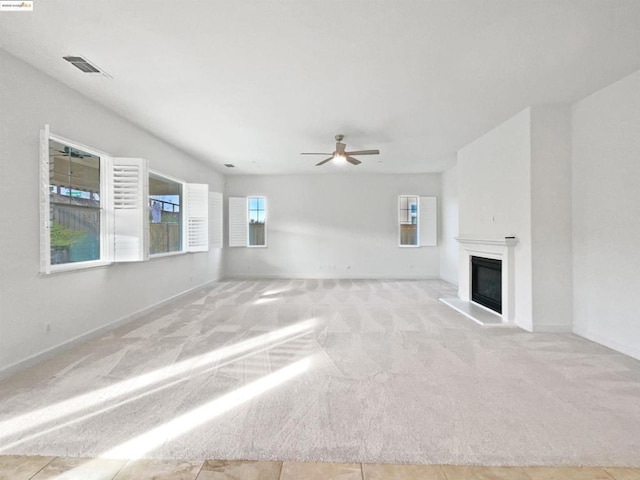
(238, 222)
(130, 209)
(215, 220)
(96, 209)
(408, 217)
(74, 200)
(428, 222)
(197, 207)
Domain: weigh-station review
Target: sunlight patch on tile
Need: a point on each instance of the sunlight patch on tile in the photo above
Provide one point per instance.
(18, 467)
(62, 468)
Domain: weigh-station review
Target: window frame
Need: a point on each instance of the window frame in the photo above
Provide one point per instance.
(264, 200)
(124, 209)
(399, 223)
(426, 221)
(238, 221)
(195, 216)
(106, 225)
(183, 221)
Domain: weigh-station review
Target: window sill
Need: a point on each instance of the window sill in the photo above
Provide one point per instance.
(168, 254)
(72, 267)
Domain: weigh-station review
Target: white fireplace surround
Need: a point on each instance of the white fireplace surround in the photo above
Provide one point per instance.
(499, 249)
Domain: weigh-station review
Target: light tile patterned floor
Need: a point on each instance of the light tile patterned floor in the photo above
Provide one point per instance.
(16, 467)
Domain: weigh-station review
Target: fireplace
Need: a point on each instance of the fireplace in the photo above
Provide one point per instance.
(500, 254)
(486, 282)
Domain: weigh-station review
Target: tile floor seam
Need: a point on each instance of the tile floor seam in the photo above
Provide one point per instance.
(43, 467)
(121, 468)
(525, 472)
(199, 471)
(613, 477)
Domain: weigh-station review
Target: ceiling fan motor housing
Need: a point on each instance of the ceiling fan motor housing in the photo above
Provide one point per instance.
(340, 153)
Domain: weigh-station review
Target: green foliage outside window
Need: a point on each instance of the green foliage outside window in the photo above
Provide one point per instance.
(62, 236)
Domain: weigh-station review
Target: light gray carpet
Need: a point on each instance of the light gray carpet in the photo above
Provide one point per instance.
(330, 370)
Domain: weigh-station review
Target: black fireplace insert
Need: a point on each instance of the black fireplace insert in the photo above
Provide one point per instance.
(486, 282)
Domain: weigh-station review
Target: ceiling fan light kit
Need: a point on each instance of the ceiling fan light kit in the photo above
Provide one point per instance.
(341, 156)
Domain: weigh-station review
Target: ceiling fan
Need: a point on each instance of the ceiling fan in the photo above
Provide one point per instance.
(340, 155)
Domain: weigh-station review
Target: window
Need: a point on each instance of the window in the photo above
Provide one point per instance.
(74, 199)
(408, 220)
(74, 220)
(91, 206)
(165, 215)
(96, 209)
(178, 216)
(247, 222)
(417, 218)
(257, 226)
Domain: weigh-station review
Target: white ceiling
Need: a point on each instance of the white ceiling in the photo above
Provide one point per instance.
(254, 83)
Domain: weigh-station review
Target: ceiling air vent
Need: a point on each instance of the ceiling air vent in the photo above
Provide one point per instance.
(229, 165)
(85, 65)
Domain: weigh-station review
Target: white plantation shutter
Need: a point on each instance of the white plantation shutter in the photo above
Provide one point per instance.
(197, 207)
(238, 226)
(215, 220)
(130, 182)
(45, 214)
(428, 222)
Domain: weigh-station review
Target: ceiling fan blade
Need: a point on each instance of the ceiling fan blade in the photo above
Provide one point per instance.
(316, 153)
(353, 161)
(324, 161)
(364, 152)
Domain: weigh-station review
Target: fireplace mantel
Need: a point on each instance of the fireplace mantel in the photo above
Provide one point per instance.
(502, 241)
(500, 248)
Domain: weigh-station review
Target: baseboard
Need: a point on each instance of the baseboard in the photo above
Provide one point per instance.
(452, 281)
(330, 277)
(632, 351)
(552, 328)
(50, 352)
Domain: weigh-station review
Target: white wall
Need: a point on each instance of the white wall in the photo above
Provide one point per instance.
(333, 225)
(606, 216)
(449, 258)
(78, 302)
(551, 218)
(494, 181)
(516, 181)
